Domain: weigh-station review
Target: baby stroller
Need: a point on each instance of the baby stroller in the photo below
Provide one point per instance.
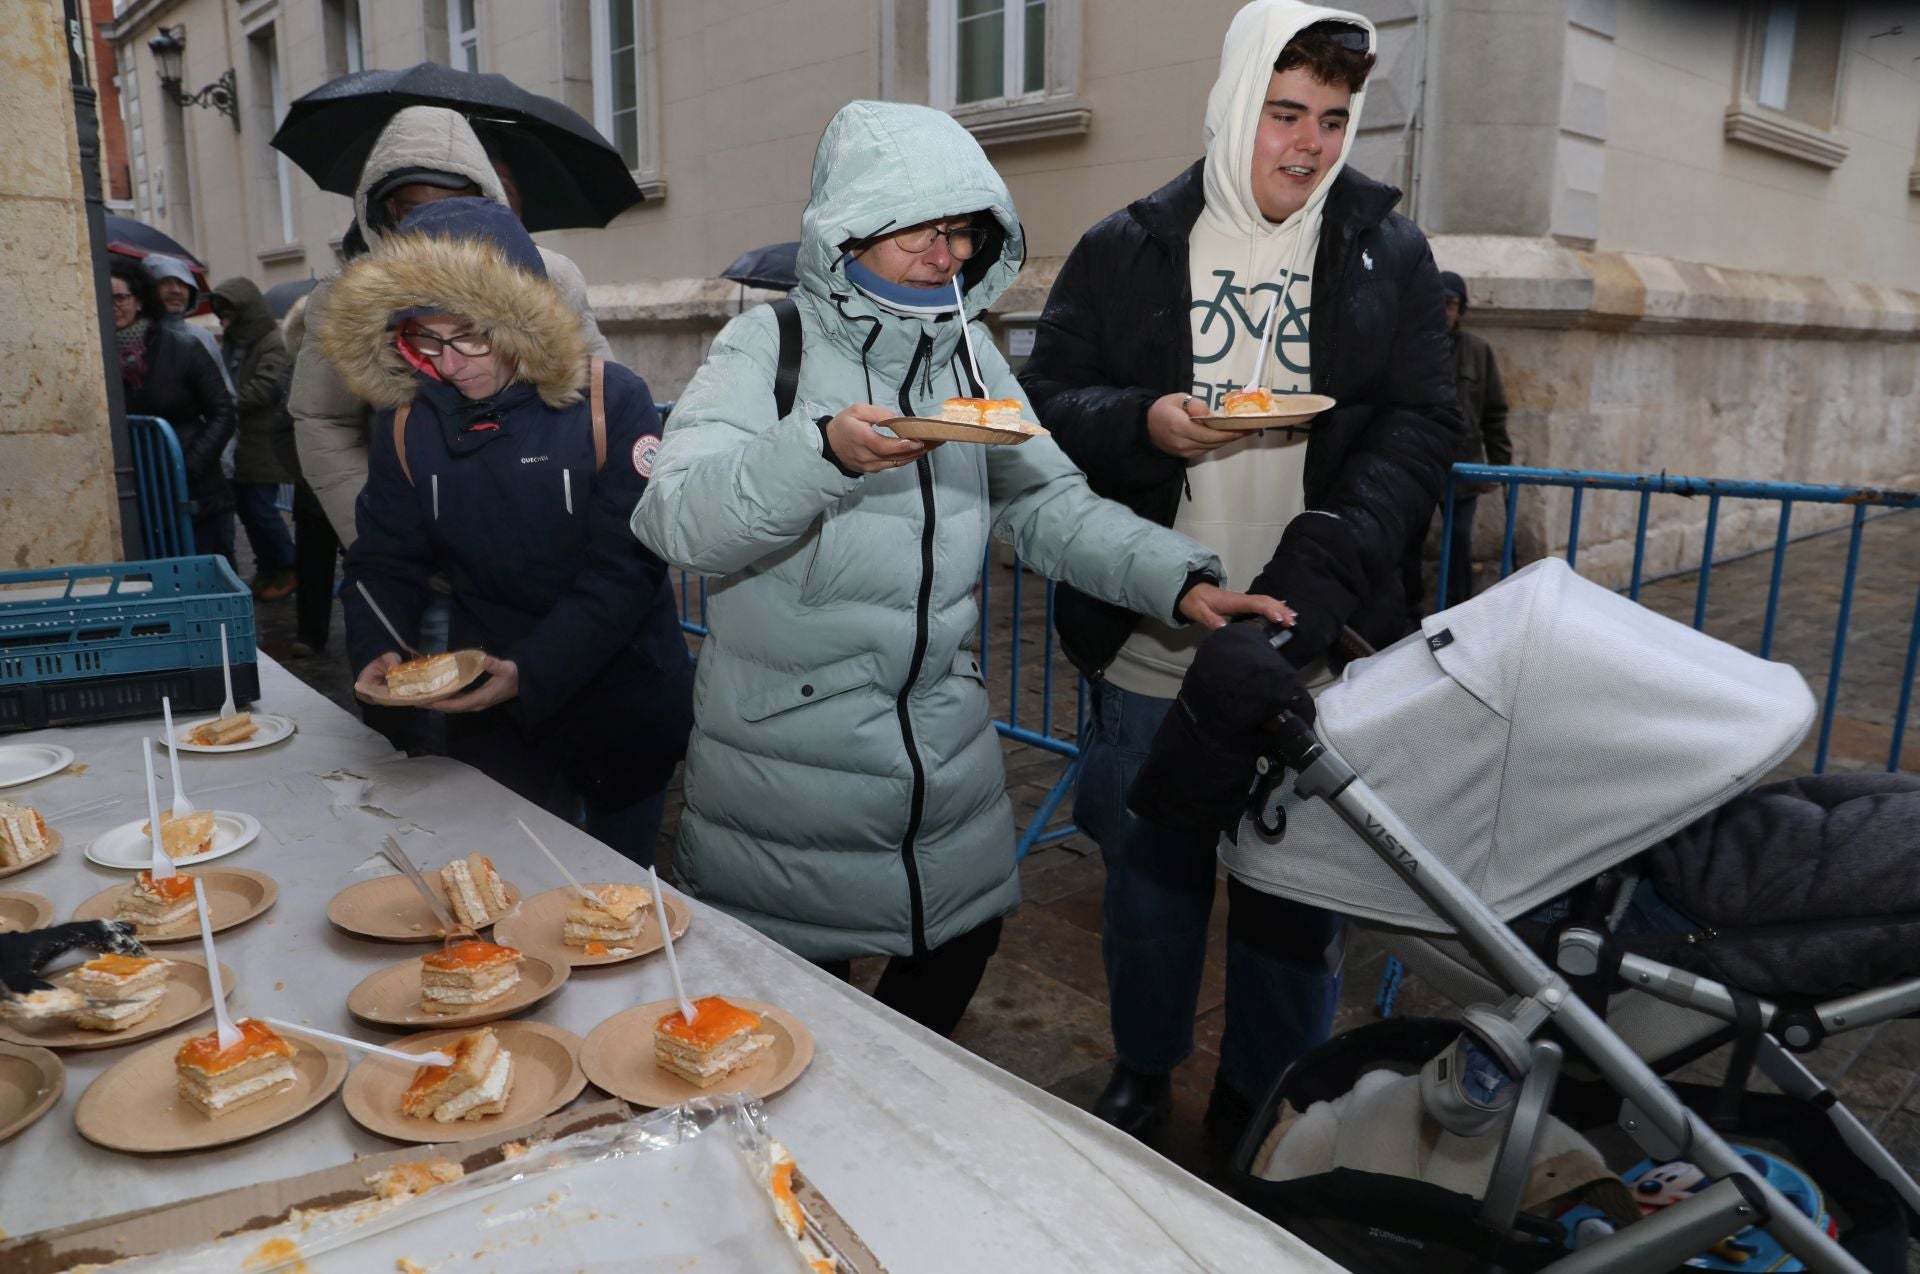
(1542, 736)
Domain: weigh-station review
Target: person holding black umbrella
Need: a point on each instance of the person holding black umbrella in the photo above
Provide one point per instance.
(425, 153)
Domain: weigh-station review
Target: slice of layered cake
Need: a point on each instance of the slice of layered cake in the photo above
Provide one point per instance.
(475, 1086)
(417, 678)
(23, 835)
(613, 917)
(218, 1081)
(43, 1005)
(223, 732)
(186, 837)
(150, 905)
(478, 895)
(720, 1041)
(468, 976)
(139, 980)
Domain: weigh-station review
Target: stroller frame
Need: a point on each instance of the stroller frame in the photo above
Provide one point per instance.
(1654, 1116)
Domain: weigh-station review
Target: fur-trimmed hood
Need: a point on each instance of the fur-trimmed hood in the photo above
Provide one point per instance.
(463, 269)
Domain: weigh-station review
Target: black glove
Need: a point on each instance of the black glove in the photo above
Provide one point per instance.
(1204, 755)
(23, 955)
(1317, 569)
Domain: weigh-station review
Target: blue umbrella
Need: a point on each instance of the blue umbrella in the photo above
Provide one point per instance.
(775, 267)
(281, 296)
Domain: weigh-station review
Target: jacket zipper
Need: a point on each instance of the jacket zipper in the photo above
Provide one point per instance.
(922, 608)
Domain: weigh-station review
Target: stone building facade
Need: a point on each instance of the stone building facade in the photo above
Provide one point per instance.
(1692, 231)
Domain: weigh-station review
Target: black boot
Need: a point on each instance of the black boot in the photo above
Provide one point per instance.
(1134, 1102)
(1226, 1120)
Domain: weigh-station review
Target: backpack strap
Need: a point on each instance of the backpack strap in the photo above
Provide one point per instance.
(597, 404)
(400, 438)
(786, 376)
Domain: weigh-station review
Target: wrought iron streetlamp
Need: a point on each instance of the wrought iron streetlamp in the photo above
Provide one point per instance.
(169, 53)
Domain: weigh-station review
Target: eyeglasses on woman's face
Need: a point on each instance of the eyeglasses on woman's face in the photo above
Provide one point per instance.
(433, 345)
(123, 298)
(963, 241)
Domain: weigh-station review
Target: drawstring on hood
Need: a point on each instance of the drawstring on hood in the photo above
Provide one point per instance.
(1235, 107)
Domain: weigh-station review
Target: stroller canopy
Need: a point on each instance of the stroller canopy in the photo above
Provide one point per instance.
(1532, 737)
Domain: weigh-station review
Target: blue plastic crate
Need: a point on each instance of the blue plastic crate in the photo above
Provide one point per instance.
(89, 643)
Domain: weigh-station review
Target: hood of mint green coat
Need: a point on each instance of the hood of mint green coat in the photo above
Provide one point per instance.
(884, 166)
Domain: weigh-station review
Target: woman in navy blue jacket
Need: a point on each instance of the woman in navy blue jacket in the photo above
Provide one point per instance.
(507, 462)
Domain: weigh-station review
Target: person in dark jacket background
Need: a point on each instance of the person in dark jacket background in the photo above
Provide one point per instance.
(500, 476)
(1483, 406)
(1267, 262)
(168, 374)
(256, 358)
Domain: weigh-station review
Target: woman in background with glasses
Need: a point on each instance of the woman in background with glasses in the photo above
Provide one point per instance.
(845, 792)
(167, 373)
(505, 460)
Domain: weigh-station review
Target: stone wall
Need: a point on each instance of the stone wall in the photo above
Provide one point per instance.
(57, 501)
(1620, 362)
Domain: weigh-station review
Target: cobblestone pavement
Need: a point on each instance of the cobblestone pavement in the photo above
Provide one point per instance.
(1041, 1012)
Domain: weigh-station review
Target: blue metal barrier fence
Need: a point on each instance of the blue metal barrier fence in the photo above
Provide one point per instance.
(1054, 733)
(1785, 494)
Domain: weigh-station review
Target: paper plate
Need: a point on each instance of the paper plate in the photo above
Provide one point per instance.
(387, 908)
(1295, 410)
(129, 849)
(471, 664)
(925, 429)
(20, 912)
(234, 896)
(54, 841)
(392, 995)
(546, 1076)
(25, 762)
(31, 1080)
(137, 1105)
(536, 925)
(189, 994)
(269, 729)
(619, 1056)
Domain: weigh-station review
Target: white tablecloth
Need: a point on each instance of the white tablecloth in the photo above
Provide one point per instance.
(939, 1160)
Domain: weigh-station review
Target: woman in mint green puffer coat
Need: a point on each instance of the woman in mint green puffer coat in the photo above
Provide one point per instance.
(845, 792)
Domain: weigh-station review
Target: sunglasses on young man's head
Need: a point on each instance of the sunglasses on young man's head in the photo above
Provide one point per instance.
(1345, 36)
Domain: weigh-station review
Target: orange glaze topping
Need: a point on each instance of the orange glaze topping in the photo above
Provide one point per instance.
(120, 966)
(596, 948)
(427, 1078)
(714, 1019)
(783, 1199)
(257, 1039)
(171, 888)
(470, 955)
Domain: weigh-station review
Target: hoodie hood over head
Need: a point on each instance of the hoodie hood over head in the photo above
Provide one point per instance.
(425, 140)
(251, 317)
(162, 266)
(1253, 43)
(467, 257)
(884, 166)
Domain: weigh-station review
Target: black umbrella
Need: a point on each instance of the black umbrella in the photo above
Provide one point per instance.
(568, 174)
(281, 296)
(775, 267)
(137, 238)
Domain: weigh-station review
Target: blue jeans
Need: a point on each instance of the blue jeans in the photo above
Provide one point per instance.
(266, 529)
(1283, 976)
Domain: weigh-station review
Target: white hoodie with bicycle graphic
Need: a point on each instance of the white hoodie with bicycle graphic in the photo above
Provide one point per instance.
(1241, 496)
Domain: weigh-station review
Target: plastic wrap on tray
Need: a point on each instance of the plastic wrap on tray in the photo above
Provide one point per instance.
(691, 1183)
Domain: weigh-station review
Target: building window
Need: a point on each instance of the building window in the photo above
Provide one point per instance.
(625, 86)
(129, 81)
(463, 35)
(270, 105)
(340, 23)
(1007, 69)
(1788, 101)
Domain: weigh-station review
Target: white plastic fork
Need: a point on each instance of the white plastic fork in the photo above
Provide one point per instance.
(226, 675)
(434, 1058)
(181, 805)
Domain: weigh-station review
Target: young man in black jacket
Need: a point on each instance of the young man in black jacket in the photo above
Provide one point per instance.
(1161, 310)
